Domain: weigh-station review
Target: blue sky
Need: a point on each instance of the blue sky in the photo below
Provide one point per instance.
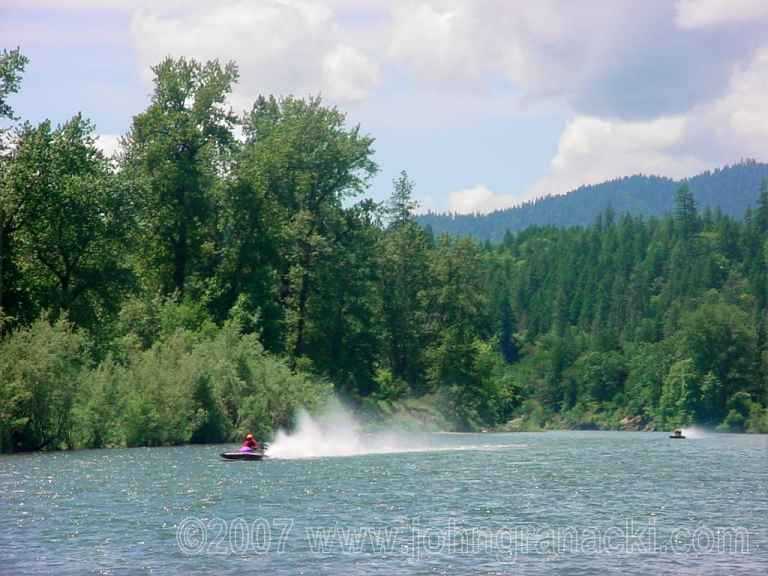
(486, 103)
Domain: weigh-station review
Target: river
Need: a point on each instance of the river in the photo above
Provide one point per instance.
(525, 503)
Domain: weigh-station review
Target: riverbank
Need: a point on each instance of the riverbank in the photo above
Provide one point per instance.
(429, 413)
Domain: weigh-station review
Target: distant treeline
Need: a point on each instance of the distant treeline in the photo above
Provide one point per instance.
(732, 190)
(199, 286)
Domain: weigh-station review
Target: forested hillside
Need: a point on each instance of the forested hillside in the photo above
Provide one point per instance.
(731, 189)
(199, 286)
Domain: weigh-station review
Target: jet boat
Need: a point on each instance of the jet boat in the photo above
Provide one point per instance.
(243, 454)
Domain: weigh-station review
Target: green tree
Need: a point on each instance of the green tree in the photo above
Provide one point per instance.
(401, 205)
(685, 212)
(456, 308)
(599, 375)
(761, 219)
(176, 152)
(40, 373)
(507, 342)
(251, 231)
(72, 222)
(403, 262)
(648, 364)
(677, 405)
(16, 167)
(719, 339)
(343, 327)
(12, 65)
(306, 158)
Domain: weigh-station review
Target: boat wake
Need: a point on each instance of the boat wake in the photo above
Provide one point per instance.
(694, 433)
(336, 432)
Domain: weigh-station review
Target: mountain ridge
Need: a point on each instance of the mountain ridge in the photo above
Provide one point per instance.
(732, 189)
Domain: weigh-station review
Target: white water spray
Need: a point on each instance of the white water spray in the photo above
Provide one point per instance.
(694, 433)
(336, 432)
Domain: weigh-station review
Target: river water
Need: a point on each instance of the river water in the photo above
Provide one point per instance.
(547, 503)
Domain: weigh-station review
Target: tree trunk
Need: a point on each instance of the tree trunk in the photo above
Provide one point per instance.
(65, 294)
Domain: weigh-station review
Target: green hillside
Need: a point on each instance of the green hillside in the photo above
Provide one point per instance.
(732, 189)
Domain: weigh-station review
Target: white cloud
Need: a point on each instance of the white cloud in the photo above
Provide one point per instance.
(745, 108)
(735, 126)
(119, 4)
(65, 4)
(435, 41)
(478, 199)
(281, 46)
(619, 58)
(592, 150)
(109, 144)
(542, 46)
(348, 74)
(702, 13)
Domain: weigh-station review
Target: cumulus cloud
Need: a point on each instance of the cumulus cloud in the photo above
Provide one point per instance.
(603, 57)
(479, 200)
(592, 150)
(281, 46)
(703, 13)
(735, 126)
(435, 40)
(745, 106)
(348, 74)
(298, 47)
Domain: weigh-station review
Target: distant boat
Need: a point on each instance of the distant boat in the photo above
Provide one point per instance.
(677, 435)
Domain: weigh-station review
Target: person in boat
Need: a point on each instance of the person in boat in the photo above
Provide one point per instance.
(250, 444)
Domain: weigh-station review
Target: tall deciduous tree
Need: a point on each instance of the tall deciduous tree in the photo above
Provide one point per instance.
(176, 150)
(309, 161)
(72, 220)
(12, 65)
(720, 340)
(343, 335)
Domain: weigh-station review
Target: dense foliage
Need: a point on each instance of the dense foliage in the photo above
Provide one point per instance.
(199, 285)
(732, 189)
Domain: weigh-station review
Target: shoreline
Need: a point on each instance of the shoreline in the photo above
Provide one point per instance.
(705, 431)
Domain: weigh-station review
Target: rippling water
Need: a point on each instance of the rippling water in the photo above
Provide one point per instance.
(551, 503)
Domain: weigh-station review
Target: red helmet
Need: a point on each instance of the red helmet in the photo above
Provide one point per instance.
(249, 437)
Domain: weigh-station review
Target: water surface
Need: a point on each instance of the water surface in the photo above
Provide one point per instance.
(550, 503)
